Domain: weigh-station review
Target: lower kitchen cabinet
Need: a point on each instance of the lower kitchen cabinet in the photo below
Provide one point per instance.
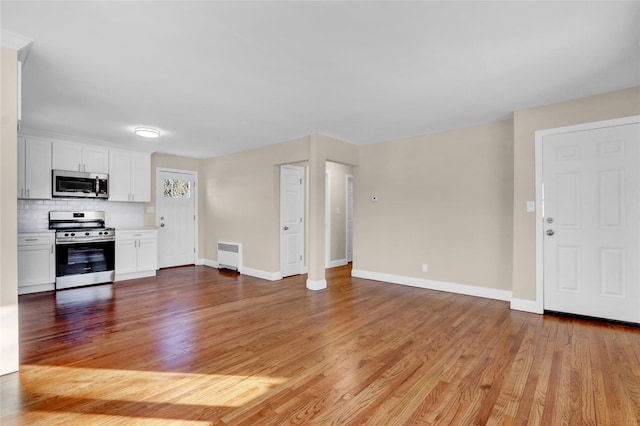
(36, 262)
(136, 253)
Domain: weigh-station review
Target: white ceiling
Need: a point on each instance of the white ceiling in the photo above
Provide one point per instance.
(221, 77)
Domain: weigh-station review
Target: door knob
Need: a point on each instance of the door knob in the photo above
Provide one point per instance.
(162, 225)
(550, 232)
(549, 220)
(285, 228)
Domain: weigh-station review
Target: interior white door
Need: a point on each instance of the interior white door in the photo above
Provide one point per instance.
(349, 218)
(591, 200)
(176, 218)
(291, 219)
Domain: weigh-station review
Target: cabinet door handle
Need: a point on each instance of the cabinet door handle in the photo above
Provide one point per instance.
(31, 239)
(51, 248)
(27, 192)
(21, 192)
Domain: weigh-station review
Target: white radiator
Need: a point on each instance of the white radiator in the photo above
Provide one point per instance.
(229, 255)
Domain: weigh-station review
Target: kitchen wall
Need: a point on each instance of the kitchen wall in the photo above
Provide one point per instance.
(606, 106)
(9, 340)
(33, 215)
(444, 200)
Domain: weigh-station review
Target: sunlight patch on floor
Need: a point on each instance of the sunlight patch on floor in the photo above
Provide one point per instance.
(48, 418)
(93, 384)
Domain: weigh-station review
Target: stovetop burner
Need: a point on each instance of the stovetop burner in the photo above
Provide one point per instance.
(80, 227)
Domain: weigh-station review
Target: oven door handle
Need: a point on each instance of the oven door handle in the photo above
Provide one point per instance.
(85, 241)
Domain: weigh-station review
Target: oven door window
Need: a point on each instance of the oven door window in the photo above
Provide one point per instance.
(84, 258)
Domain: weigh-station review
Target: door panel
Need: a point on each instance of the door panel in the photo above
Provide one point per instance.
(176, 218)
(291, 226)
(591, 249)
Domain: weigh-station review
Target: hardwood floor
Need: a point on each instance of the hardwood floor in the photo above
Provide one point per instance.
(200, 346)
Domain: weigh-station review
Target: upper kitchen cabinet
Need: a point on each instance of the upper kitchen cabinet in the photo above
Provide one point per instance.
(34, 168)
(80, 157)
(129, 176)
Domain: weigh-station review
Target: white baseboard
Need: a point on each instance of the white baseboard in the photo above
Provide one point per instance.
(526, 306)
(316, 285)
(200, 261)
(135, 275)
(469, 290)
(265, 275)
(336, 263)
(210, 263)
(36, 288)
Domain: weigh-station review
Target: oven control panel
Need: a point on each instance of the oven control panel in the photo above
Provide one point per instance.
(78, 236)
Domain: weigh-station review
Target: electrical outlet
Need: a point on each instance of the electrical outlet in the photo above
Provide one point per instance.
(425, 267)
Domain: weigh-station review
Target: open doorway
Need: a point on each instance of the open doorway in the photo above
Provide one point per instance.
(339, 217)
(349, 214)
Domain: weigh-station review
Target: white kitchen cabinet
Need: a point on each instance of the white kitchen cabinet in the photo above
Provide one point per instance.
(34, 168)
(80, 157)
(129, 176)
(136, 253)
(36, 262)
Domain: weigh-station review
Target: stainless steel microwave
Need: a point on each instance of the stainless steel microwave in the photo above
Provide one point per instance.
(80, 184)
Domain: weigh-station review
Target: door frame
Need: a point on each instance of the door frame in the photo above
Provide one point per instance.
(196, 257)
(539, 203)
(302, 235)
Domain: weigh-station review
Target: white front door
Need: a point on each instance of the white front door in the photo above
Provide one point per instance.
(349, 218)
(291, 220)
(176, 217)
(591, 222)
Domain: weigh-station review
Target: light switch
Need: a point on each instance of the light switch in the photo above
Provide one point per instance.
(531, 206)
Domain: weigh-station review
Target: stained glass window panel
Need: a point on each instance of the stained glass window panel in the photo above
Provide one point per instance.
(177, 188)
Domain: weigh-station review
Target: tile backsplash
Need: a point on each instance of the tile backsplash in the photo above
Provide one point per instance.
(34, 214)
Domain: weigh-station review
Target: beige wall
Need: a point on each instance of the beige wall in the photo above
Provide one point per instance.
(9, 360)
(243, 202)
(617, 104)
(178, 163)
(444, 199)
(338, 209)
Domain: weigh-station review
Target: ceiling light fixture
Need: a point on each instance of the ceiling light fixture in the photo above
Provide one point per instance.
(147, 132)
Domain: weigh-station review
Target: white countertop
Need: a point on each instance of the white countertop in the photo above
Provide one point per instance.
(135, 228)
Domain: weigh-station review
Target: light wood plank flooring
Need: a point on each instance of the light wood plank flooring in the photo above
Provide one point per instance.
(200, 346)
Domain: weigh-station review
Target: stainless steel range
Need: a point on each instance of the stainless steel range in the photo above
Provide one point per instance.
(85, 249)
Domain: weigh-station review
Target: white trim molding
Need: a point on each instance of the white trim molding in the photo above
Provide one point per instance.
(15, 41)
(468, 290)
(265, 275)
(336, 263)
(208, 262)
(316, 285)
(524, 305)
